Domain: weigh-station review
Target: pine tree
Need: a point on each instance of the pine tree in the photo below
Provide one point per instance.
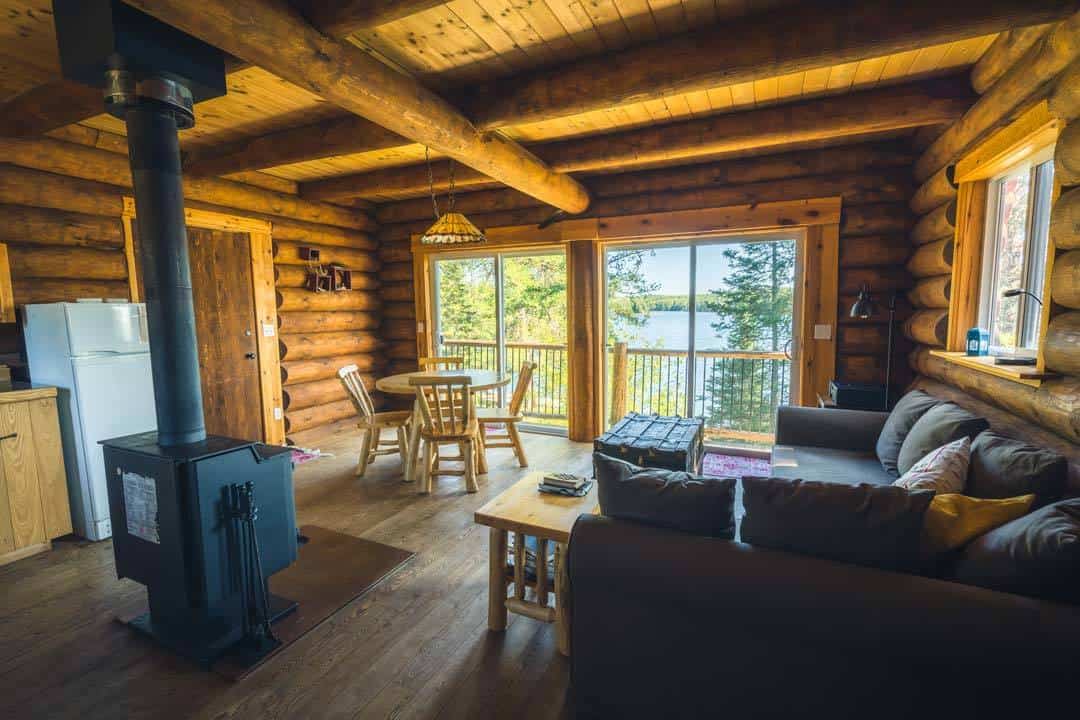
(754, 305)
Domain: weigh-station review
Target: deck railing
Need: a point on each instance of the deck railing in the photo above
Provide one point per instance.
(736, 392)
(546, 399)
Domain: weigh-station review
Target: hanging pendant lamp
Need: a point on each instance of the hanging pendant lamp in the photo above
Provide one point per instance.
(450, 228)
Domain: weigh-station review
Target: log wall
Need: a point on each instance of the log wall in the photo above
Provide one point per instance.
(873, 179)
(65, 241)
(1055, 405)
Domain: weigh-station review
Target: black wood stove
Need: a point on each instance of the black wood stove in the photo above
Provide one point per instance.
(202, 521)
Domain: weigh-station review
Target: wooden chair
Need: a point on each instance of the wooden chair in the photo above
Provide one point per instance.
(449, 417)
(449, 362)
(372, 423)
(509, 416)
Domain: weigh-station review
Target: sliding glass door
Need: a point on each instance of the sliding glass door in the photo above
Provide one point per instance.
(703, 328)
(500, 310)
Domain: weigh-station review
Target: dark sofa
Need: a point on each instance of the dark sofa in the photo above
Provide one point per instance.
(668, 624)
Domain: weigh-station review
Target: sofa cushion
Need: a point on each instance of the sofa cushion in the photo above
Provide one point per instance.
(1037, 554)
(877, 526)
(938, 426)
(665, 498)
(908, 410)
(943, 470)
(826, 465)
(954, 520)
(1002, 467)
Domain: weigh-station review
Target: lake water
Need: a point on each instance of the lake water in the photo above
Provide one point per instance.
(669, 329)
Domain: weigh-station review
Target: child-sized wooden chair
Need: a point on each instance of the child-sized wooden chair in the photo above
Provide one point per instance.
(509, 416)
(449, 417)
(372, 423)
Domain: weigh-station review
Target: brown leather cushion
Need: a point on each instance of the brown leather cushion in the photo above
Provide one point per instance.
(907, 412)
(1036, 555)
(1002, 467)
(665, 498)
(876, 526)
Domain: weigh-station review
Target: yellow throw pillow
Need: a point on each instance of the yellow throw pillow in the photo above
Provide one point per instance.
(953, 520)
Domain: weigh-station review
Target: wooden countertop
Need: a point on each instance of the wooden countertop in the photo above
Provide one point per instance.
(22, 394)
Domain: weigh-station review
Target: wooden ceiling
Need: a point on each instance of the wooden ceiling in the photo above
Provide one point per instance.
(449, 46)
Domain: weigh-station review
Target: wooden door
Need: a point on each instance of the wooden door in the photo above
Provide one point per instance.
(226, 326)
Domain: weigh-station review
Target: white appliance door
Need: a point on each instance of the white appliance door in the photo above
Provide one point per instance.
(106, 328)
(116, 398)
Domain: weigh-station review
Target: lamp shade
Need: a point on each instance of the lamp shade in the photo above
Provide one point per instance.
(452, 228)
(864, 306)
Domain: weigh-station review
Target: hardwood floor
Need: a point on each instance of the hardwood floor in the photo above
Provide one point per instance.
(415, 647)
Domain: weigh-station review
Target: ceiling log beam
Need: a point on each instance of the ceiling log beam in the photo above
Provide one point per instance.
(271, 35)
(339, 136)
(867, 111)
(341, 18)
(788, 40)
(849, 159)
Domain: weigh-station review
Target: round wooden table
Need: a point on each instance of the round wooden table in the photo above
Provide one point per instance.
(481, 380)
(399, 385)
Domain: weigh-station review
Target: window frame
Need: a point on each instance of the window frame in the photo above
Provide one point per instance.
(1029, 315)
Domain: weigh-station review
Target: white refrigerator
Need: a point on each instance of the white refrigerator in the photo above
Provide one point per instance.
(98, 355)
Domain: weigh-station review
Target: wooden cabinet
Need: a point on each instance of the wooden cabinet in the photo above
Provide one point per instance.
(33, 485)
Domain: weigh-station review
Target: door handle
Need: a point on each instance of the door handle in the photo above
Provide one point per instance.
(9, 436)
(249, 355)
(787, 348)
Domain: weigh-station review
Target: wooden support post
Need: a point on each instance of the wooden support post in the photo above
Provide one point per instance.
(618, 382)
(562, 601)
(584, 359)
(497, 579)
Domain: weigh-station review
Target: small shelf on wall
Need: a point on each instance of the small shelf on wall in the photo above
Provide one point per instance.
(1026, 374)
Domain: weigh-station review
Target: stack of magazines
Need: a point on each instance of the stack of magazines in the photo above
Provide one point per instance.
(565, 484)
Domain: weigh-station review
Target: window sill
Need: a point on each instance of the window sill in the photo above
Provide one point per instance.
(1023, 374)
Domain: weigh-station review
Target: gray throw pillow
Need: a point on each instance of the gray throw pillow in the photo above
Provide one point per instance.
(665, 498)
(1002, 467)
(908, 410)
(874, 525)
(1037, 555)
(938, 426)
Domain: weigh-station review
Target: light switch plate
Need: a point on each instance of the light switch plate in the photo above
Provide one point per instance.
(419, 327)
(823, 332)
(268, 329)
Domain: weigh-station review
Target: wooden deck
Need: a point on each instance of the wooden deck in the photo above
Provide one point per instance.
(415, 647)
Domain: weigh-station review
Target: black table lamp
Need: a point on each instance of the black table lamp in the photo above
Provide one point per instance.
(865, 308)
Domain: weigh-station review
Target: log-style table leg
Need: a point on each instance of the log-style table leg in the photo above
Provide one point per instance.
(497, 579)
(562, 601)
(412, 461)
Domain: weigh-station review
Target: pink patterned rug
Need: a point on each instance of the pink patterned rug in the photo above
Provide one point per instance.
(719, 465)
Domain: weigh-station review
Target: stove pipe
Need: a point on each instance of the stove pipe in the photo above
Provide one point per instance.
(154, 152)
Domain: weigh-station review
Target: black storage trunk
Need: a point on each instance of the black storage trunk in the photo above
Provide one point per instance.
(673, 443)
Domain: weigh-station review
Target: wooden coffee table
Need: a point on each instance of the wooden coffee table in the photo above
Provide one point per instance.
(524, 511)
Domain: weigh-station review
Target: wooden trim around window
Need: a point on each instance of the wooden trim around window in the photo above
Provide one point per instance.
(584, 240)
(1028, 134)
(967, 263)
(817, 304)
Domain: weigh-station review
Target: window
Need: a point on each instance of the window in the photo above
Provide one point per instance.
(1014, 254)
